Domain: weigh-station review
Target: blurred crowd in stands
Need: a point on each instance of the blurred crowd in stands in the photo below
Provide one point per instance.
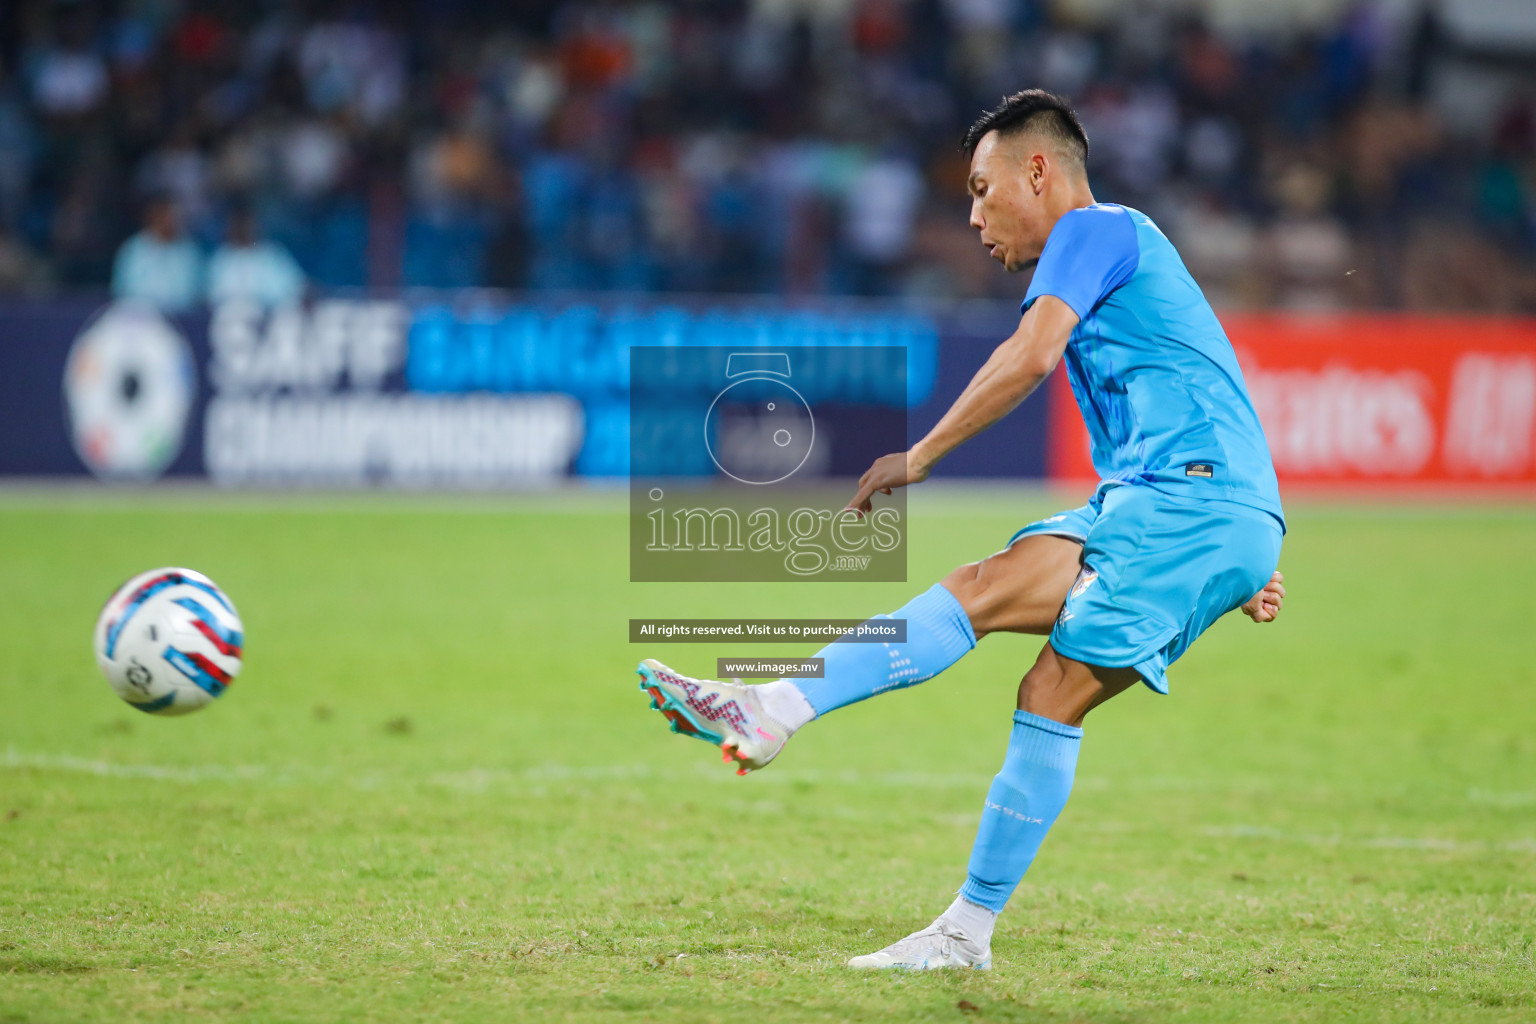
(179, 149)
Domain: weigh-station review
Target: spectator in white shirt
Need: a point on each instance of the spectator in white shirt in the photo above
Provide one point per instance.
(160, 264)
(251, 268)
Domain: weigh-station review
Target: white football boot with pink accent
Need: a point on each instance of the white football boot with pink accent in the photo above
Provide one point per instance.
(728, 715)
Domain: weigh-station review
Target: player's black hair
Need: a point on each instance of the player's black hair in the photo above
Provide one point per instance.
(1032, 110)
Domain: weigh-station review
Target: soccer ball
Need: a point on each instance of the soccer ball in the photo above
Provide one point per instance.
(169, 641)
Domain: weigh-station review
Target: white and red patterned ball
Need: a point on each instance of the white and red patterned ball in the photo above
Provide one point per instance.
(169, 641)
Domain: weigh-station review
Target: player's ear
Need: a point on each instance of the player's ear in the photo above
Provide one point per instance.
(1036, 169)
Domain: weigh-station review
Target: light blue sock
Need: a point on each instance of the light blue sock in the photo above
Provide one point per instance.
(1025, 798)
(938, 634)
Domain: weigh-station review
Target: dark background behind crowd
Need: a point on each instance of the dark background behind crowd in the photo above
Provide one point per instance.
(1376, 157)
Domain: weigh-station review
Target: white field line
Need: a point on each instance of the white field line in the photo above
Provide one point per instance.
(481, 780)
(1376, 842)
(470, 780)
(1505, 798)
(477, 780)
(12, 758)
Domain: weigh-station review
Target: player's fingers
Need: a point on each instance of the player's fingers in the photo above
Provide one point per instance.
(1276, 588)
(885, 490)
(860, 500)
(1263, 606)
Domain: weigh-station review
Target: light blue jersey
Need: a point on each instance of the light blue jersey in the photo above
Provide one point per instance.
(1151, 368)
(1186, 524)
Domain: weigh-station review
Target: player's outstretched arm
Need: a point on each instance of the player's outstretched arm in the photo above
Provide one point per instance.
(1265, 605)
(1015, 368)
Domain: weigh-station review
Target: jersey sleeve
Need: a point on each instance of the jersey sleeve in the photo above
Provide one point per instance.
(1091, 252)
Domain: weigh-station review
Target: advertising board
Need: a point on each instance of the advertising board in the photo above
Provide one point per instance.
(1371, 400)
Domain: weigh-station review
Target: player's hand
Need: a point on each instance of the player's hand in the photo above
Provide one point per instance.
(889, 471)
(1265, 605)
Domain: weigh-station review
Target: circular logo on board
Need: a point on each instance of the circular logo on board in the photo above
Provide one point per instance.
(129, 385)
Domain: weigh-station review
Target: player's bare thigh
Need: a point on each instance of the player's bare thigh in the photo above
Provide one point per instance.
(1020, 589)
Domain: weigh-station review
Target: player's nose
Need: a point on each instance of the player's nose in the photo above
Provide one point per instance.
(977, 220)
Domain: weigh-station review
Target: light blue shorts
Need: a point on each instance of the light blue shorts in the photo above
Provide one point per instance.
(1158, 569)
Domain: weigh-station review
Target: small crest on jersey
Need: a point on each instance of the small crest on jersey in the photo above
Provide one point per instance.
(1200, 469)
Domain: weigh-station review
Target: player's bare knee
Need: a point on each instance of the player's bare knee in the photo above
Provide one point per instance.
(962, 579)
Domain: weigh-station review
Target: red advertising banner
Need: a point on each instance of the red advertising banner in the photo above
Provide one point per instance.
(1372, 399)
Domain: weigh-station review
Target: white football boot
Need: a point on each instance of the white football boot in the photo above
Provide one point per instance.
(728, 715)
(937, 946)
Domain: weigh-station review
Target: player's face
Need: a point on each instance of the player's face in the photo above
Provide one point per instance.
(1007, 201)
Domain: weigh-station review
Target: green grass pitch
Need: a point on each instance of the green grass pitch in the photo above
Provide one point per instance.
(435, 793)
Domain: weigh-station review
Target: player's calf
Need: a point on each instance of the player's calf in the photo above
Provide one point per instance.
(1064, 690)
